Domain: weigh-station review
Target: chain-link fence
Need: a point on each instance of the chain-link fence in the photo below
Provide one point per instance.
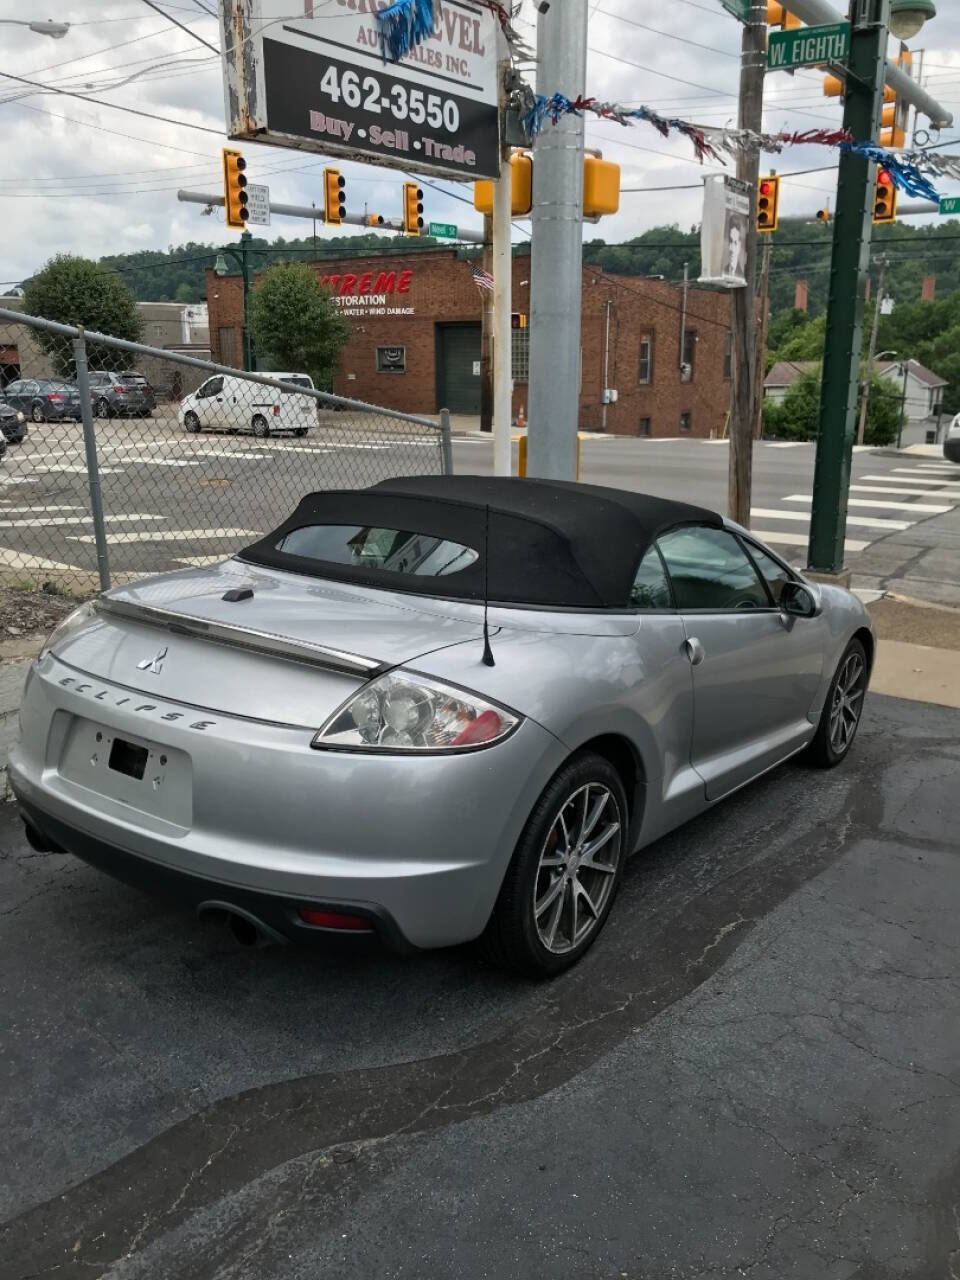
(122, 460)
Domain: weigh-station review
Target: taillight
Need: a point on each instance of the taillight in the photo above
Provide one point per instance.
(52, 395)
(276, 411)
(120, 390)
(335, 920)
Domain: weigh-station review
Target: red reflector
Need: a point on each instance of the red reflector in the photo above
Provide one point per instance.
(335, 920)
(486, 726)
(276, 411)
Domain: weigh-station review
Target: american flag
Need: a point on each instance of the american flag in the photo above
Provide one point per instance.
(482, 279)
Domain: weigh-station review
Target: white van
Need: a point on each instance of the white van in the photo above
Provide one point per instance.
(225, 403)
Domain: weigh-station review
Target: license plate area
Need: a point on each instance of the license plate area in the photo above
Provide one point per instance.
(128, 770)
(128, 758)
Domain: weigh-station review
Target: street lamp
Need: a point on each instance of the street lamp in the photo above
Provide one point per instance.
(57, 30)
(908, 16)
(220, 269)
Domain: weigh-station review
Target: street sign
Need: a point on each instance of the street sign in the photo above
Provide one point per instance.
(950, 204)
(321, 83)
(442, 230)
(808, 47)
(739, 8)
(258, 204)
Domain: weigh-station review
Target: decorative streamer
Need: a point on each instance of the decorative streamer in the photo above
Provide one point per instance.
(403, 25)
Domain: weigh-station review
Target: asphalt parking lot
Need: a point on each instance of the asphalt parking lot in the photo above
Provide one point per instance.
(755, 1072)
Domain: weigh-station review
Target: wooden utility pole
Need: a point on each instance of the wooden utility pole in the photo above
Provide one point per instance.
(868, 378)
(753, 61)
(486, 332)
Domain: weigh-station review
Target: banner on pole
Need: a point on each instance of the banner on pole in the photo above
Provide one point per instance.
(727, 205)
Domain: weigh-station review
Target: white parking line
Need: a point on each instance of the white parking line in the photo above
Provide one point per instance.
(71, 470)
(922, 508)
(18, 511)
(775, 538)
(34, 522)
(864, 522)
(20, 560)
(174, 535)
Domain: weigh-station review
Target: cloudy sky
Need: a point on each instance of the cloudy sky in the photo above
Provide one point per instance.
(93, 179)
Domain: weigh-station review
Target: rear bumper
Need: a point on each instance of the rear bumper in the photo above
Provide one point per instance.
(951, 450)
(276, 915)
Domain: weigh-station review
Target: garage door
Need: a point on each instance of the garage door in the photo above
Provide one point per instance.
(458, 368)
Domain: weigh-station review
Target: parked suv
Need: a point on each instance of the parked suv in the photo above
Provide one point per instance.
(121, 395)
(225, 403)
(44, 399)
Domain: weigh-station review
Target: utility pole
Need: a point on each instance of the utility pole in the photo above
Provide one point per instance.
(763, 326)
(556, 277)
(486, 332)
(868, 380)
(753, 64)
(502, 307)
(852, 231)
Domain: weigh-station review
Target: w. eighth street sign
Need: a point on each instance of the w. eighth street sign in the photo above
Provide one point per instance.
(808, 47)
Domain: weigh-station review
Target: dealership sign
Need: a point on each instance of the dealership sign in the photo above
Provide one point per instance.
(319, 82)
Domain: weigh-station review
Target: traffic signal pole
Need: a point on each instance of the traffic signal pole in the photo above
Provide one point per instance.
(556, 276)
(848, 272)
(502, 307)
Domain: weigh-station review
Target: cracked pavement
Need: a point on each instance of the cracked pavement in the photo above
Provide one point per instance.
(755, 1072)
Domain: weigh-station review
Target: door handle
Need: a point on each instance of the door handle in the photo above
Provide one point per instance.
(695, 651)
(219, 399)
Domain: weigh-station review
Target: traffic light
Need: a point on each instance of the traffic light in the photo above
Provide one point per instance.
(601, 187)
(778, 16)
(521, 188)
(412, 209)
(518, 320)
(768, 203)
(234, 189)
(823, 215)
(884, 199)
(334, 196)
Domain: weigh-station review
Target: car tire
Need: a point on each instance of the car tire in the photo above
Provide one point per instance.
(528, 932)
(842, 710)
(103, 408)
(191, 422)
(301, 432)
(37, 414)
(261, 427)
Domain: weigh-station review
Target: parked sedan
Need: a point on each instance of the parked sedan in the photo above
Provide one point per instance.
(432, 711)
(121, 395)
(13, 423)
(44, 399)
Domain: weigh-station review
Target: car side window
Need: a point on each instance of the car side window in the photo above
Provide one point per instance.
(13, 388)
(774, 574)
(710, 570)
(651, 590)
(211, 388)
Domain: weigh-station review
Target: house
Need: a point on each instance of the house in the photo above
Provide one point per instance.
(924, 388)
(783, 375)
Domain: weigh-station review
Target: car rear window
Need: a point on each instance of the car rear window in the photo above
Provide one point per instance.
(132, 377)
(299, 382)
(370, 547)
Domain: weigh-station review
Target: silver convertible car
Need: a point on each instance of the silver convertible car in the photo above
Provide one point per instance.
(435, 710)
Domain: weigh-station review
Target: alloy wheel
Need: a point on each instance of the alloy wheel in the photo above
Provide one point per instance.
(847, 703)
(578, 868)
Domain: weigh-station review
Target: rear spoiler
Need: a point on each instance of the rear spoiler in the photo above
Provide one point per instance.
(236, 637)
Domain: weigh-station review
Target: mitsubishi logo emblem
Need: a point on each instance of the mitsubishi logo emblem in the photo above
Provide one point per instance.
(153, 664)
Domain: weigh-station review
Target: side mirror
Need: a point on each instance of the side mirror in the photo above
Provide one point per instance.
(798, 601)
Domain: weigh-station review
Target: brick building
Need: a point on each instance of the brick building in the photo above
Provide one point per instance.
(415, 344)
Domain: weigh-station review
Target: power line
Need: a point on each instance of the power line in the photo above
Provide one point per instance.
(669, 35)
(115, 106)
(182, 25)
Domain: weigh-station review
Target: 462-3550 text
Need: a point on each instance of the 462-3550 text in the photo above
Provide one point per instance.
(399, 101)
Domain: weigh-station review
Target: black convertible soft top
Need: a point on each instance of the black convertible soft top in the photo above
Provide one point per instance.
(551, 543)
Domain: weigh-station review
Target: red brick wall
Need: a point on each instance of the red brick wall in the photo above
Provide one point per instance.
(439, 288)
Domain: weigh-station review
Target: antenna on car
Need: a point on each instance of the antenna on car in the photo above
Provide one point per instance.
(487, 651)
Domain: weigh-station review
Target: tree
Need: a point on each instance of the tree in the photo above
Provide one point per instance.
(294, 323)
(798, 416)
(79, 292)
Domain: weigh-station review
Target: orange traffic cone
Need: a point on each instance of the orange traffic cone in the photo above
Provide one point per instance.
(521, 419)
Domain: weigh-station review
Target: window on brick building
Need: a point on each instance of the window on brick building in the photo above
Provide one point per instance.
(728, 357)
(391, 359)
(688, 356)
(520, 349)
(685, 424)
(644, 426)
(645, 372)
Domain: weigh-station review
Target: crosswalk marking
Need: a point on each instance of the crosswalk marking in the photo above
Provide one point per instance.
(173, 535)
(32, 511)
(865, 522)
(909, 493)
(922, 508)
(890, 478)
(776, 538)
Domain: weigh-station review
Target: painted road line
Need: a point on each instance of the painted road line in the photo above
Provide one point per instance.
(43, 520)
(864, 522)
(26, 511)
(20, 560)
(914, 493)
(229, 453)
(76, 471)
(173, 535)
(920, 508)
(200, 562)
(889, 478)
(775, 538)
(931, 471)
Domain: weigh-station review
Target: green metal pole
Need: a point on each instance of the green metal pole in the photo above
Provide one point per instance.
(852, 231)
(249, 362)
(903, 405)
